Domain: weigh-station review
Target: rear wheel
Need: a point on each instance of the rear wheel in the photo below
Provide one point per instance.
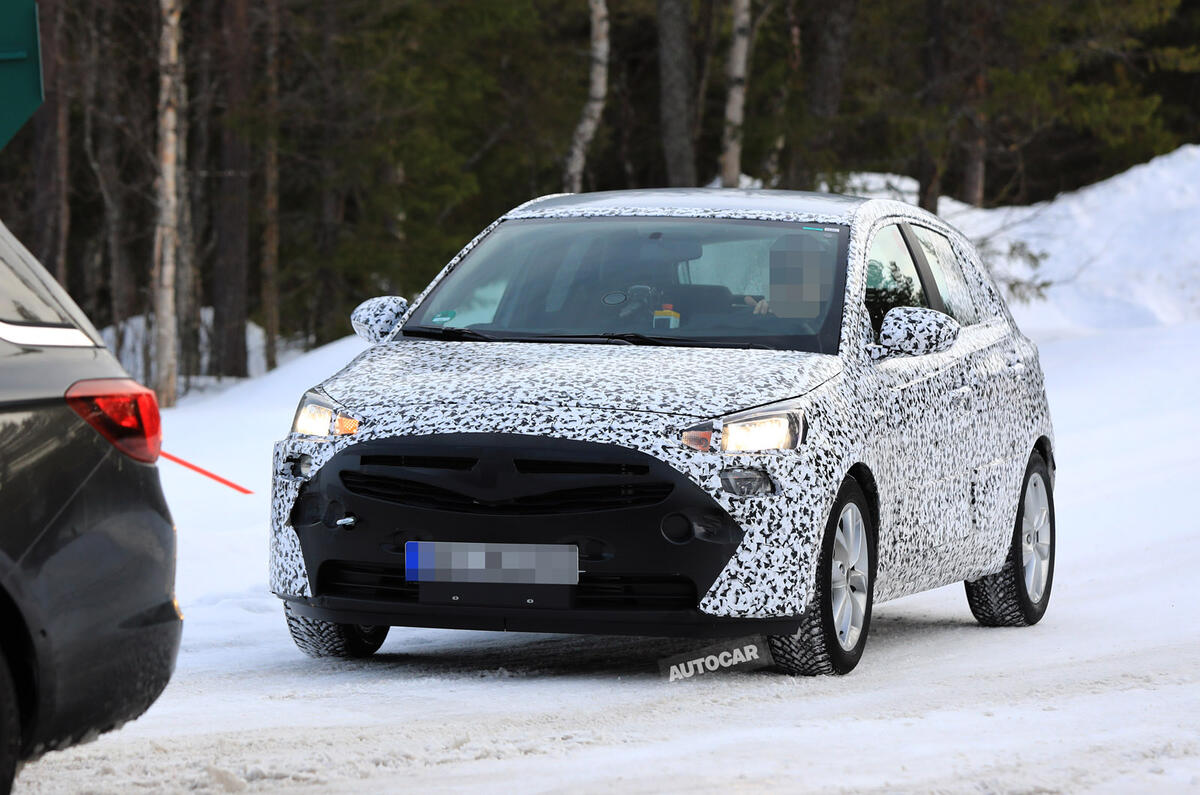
(1017, 595)
(833, 630)
(318, 638)
(10, 728)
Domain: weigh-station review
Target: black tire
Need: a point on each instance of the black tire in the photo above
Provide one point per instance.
(1002, 599)
(10, 728)
(814, 649)
(318, 638)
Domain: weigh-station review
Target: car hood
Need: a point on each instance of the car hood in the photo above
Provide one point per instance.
(693, 382)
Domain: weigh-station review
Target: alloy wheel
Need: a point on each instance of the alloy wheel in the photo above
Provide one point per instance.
(850, 577)
(1035, 537)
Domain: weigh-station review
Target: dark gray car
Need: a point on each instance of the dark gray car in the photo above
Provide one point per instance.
(89, 625)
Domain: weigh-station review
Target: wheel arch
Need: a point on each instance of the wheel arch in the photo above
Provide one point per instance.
(1045, 447)
(16, 644)
(862, 475)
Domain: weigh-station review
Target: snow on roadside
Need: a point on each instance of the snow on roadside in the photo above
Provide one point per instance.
(1121, 253)
(1101, 696)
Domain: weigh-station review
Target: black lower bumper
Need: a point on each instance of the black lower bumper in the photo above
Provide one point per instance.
(651, 542)
(670, 623)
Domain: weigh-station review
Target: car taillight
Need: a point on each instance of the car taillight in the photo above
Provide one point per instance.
(123, 411)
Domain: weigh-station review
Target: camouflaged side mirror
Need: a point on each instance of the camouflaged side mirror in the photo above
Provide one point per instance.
(915, 331)
(376, 318)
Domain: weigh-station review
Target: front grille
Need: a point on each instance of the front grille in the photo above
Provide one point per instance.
(537, 466)
(594, 591)
(579, 500)
(634, 592)
(365, 581)
(419, 461)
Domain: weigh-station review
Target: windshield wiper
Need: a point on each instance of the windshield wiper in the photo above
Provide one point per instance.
(613, 337)
(637, 338)
(449, 333)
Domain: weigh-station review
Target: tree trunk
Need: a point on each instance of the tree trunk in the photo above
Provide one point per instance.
(333, 193)
(975, 147)
(185, 267)
(100, 147)
(675, 85)
(166, 233)
(931, 161)
(826, 52)
(270, 248)
(771, 167)
(597, 94)
(707, 23)
(974, 169)
(735, 104)
(196, 151)
(51, 154)
(233, 209)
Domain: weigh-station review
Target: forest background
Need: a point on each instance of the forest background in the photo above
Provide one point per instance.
(281, 160)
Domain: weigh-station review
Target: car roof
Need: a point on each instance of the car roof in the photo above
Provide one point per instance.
(701, 200)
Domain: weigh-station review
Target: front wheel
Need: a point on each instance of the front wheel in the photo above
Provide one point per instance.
(833, 630)
(318, 638)
(1018, 594)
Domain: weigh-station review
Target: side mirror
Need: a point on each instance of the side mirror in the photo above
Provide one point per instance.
(375, 318)
(915, 331)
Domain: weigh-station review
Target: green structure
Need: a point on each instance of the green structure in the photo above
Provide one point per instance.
(20, 66)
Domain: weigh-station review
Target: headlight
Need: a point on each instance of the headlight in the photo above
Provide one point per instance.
(317, 415)
(749, 433)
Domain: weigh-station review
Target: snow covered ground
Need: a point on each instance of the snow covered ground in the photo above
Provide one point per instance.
(1103, 695)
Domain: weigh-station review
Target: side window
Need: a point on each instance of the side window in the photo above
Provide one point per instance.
(892, 278)
(23, 298)
(948, 274)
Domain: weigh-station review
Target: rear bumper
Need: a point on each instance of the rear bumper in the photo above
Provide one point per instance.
(97, 594)
(677, 623)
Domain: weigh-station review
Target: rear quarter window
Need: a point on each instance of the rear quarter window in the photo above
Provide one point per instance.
(989, 303)
(24, 299)
(948, 275)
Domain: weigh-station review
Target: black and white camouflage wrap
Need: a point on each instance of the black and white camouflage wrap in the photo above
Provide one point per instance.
(375, 318)
(900, 423)
(916, 331)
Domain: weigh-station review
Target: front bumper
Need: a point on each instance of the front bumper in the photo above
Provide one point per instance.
(651, 541)
(769, 574)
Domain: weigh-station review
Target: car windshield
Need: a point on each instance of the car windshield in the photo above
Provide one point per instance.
(646, 280)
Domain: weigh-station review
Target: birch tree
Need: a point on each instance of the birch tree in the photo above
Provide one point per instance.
(597, 94)
(166, 233)
(735, 103)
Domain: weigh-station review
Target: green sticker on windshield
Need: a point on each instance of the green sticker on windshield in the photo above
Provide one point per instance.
(443, 317)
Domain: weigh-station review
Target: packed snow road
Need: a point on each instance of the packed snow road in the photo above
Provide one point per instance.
(1102, 695)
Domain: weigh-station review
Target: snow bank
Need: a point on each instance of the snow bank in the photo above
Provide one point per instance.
(1122, 253)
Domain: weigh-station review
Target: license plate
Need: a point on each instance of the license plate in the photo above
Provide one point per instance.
(465, 562)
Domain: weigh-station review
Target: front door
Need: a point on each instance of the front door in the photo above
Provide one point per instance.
(925, 405)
